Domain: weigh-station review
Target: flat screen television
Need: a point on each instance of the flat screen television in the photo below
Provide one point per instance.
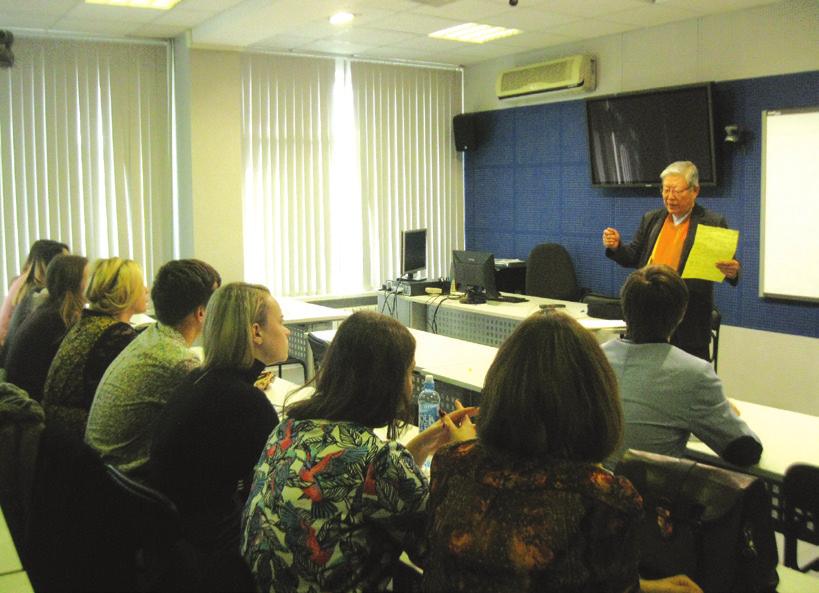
(413, 252)
(634, 136)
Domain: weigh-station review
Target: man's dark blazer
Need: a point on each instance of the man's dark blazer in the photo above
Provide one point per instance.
(693, 335)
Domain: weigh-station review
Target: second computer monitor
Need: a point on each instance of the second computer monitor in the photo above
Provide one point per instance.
(413, 252)
(474, 272)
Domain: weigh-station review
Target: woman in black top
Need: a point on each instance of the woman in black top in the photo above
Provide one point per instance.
(214, 428)
(27, 293)
(36, 342)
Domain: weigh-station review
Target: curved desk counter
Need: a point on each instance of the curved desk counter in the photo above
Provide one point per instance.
(489, 323)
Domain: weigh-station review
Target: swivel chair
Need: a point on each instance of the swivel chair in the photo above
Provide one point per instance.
(800, 495)
(293, 360)
(318, 347)
(550, 273)
(716, 322)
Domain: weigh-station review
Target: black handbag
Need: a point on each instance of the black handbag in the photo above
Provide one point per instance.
(709, 523)
(603, 307)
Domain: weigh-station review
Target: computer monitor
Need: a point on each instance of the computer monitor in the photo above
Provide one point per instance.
(474, 272)
(413, 252)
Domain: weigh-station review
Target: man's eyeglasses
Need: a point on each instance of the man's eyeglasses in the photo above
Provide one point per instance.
(671, 191)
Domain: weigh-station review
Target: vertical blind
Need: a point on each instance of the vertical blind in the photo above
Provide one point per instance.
(339, 157)
(287, 152)
(85, 153)
(411, 176)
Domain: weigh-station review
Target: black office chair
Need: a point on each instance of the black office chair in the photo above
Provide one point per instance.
(165, 557)
(294, 360)
(550, 273)
(800, 496)
(318, 347)
(716, 322)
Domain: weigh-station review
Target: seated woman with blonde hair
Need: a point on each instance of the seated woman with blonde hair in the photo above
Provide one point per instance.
(211, 431)
(116, 291)
(527, 506)
(332, 505)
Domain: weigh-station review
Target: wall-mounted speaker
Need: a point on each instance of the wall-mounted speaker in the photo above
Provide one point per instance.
(463, 129)
(6, 55)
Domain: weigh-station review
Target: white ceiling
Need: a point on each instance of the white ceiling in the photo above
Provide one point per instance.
(382, 29)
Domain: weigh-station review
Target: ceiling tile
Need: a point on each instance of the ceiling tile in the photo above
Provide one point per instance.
(529, 19)
(395, 53)
(330, 46)
(96, 26)
(184, 17)
(88, 13)
(317, 29)
(650, 16)
(375, 37)
(209, 5)
(283, 42)
(155, 31)
(40, 6)
(410, 22)
(432, 45)
(356, 6)
(716, 6)
(536, 40)
(587, 28)
(466, 11)
(587, 8)
(27, 20)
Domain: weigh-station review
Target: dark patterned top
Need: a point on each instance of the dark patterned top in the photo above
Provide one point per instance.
(331, 508)
(529, 525)
(33, 349)
(86, 352)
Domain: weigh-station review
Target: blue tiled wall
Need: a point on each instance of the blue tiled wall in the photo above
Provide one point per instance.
(528, 182)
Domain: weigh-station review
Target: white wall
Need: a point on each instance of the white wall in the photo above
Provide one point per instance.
(774, 39)
(769, 368)
(764, 367)
(216, 161)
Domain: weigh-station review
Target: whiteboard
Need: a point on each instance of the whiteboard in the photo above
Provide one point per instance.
(789, 241)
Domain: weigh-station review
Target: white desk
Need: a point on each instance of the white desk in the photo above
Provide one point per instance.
(787, 438)
(294, 311)
(281, 391)
(793, 581)
(453, 361)
(298, 312)
(489, 323)
(13, 579)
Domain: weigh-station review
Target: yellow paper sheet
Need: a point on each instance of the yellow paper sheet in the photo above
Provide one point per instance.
(712, 244)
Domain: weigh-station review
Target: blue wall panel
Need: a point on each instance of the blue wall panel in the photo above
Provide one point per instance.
(528, 182)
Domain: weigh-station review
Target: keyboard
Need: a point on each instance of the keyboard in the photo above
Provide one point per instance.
(509, 299)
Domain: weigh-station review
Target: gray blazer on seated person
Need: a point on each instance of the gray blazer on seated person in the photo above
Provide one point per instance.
(668, 394)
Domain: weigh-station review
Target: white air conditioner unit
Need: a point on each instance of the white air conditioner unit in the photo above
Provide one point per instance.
(572, 73)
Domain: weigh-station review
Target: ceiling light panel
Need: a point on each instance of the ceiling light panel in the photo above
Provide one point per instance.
(341, 18)
(155, 4)
(474, 33)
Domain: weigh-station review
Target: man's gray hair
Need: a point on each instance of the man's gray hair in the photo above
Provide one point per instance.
(685, 168)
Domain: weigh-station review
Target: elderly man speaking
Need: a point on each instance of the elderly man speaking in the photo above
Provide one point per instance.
(665, 237)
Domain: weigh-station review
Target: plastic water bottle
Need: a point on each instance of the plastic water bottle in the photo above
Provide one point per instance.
(429, 402)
